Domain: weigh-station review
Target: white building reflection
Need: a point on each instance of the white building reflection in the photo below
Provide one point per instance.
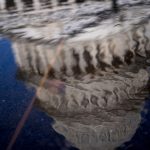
(94, 113)
(98, 111)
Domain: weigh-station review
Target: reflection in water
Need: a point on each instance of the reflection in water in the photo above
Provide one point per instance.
(141, 138)
(14, 98)
(86, 112)
(95, 104)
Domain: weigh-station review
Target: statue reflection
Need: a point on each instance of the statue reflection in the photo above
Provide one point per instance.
(92, 114)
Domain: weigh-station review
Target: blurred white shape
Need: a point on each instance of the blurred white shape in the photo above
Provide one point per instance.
(19, 5)
(54, 3)
(36, 4)
(2, 4)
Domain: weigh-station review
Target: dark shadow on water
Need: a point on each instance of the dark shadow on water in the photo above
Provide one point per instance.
(14, 99)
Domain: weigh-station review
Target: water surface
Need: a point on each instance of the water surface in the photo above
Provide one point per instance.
(14, 99)
(38, 132)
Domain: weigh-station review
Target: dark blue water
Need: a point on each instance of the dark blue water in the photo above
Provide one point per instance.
(37, 132)
(14, 99)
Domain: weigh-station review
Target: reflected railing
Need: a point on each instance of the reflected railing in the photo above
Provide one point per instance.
(93, 110)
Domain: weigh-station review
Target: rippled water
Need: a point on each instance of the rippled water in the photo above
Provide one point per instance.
(37, 132)
(15, 96)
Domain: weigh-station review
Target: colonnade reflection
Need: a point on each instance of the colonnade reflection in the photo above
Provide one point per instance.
(86, 112)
